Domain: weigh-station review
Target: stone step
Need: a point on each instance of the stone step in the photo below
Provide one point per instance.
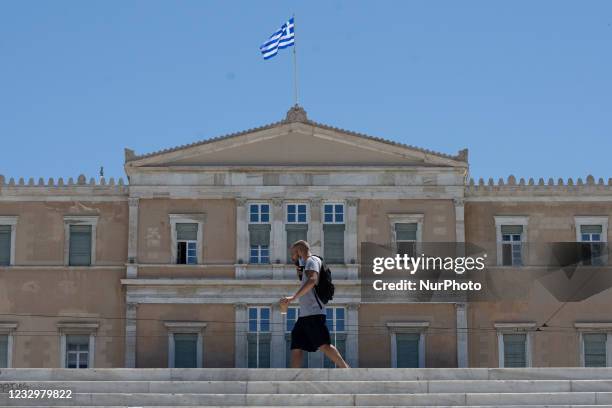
(321, 400)
(339, 406)
(317, 387)
(283, 374)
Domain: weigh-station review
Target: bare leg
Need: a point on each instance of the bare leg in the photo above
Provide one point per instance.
(334, 355)
(296, 358)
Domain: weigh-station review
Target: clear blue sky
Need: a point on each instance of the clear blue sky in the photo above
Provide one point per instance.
(525, 85)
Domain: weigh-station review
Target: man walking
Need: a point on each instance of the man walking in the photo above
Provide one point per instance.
(310, 332)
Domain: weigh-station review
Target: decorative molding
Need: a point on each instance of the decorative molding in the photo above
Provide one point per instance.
(296, 114)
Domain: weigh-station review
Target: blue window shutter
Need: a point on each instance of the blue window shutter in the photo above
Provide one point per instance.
(407, 347)
(80, 245)
(594, 349)
(333, 251)
(515, 350)
(5, 244)
(185, 350)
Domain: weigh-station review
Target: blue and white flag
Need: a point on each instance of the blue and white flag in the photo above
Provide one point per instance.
(282, 38)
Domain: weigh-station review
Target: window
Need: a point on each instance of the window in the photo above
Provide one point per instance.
(187, 243)
(291, 318)
(406, 238)
(592, 251)
(7, 240)
(594, 349)
(259, 337)
(511, 236)
(407, 344)
(80, 240)
(514, 344)
(185, 344)
(297, 213)
(77, 351)
(593, 231)
(512, 253)
(186, 231)
(77, 344)
(333, 214)
(335, 320)
(4, 351)
(333, 233)
(259, 213)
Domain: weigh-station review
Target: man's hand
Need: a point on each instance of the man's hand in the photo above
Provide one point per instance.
(287, 300)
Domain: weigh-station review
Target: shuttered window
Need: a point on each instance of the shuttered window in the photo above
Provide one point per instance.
(335, 319)
(333, 238)
(259, 239)
(259, 338)
(295, 232)
(185, 350)
(3, 351)
(515, 350)
(405, 238)
(80, 245)
(187, 231)
(594, 349)
(407, 346)
(5, 245)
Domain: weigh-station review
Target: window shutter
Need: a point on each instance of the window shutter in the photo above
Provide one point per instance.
(264, 350)
(5, 244)
(295, 232)
(259, 234)
(405, 231)
(515, 350)
(333, 252)
(185, 350)
(511, 229)
(80, 245)
(594, 349)
(407, 346)
(590, 229)
(187, 231)
(3, 351)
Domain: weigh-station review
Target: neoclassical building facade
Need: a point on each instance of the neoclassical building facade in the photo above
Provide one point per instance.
(183, 265)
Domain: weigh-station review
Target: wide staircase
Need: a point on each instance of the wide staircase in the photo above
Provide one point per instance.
(380, 387)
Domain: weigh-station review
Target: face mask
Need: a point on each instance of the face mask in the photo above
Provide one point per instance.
(301, 261)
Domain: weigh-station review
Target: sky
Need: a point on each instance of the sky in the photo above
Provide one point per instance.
(526, 86)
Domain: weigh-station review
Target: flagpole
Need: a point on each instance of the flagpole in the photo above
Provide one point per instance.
(295, 80)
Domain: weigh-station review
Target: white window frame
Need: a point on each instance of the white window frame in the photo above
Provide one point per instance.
(602, 220)
(259, 203)
(522, 220)
(199, 219)
(8, 329)
(186, 328)
(78, 328)
(515, 328)
(296, 204)
(332, 324)
(69, 220)
(258, 331)
(408, 327)
(406, 219)
(12, 221)
(334, 203)
(599, 328)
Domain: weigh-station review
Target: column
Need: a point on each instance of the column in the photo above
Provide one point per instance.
(130, 335)
(351, 242)
(461, 307)
(278, 239)
(242, 237)
(352, 337)
(462, 335)
(315, 228)
(240, 335)
(132, 268)
(277, 345)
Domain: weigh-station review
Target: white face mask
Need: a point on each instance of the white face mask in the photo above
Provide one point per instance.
(301, 260)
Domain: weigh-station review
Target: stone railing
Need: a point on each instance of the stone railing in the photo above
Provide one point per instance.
(541, 187)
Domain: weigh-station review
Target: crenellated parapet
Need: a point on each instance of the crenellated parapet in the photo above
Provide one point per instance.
(59, 186)
(562, 187)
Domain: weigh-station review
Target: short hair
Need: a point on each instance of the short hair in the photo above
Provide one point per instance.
(301, 244)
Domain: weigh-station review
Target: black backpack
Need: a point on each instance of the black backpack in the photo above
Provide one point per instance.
(324, 290)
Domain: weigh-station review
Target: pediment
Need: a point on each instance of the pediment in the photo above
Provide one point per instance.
(295, 143)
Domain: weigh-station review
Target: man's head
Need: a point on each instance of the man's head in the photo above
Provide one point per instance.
(300, 249)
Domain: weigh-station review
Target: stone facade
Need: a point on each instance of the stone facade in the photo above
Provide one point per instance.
(135, 301)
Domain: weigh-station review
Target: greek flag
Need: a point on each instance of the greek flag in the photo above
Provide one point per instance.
(283, 38)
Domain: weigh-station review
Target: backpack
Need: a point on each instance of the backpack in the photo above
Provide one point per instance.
(324, 290)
